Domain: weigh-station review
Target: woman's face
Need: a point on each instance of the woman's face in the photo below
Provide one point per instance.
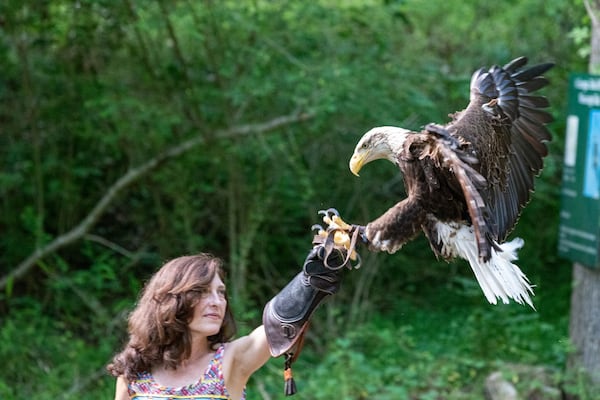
(210, 309)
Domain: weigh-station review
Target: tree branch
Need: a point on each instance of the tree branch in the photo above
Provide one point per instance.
(132, 176)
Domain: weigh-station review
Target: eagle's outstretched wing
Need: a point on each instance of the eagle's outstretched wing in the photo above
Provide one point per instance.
(505, 126)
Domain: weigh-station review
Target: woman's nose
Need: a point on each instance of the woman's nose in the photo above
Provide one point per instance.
(214, 297)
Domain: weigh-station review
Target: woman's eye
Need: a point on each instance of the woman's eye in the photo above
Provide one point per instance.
(204, 293)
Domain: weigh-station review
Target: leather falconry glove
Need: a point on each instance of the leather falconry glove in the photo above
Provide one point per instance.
(286, 316)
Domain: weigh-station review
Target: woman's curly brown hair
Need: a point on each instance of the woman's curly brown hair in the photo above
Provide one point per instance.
(158, 326)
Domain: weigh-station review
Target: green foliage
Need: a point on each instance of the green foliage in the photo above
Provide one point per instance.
(45, 359)
(91, 89)
(429, 352)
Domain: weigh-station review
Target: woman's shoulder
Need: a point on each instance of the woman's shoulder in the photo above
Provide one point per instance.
(246, 354)
(229, 348)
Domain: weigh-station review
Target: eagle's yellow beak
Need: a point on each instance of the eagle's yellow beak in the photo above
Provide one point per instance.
(357, 161)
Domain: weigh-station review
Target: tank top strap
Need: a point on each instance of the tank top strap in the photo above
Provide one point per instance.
(214, 372)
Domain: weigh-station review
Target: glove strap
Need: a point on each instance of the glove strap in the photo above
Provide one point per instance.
(289, 385)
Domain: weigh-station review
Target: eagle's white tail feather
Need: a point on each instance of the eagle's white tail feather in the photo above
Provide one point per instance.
(498, 277)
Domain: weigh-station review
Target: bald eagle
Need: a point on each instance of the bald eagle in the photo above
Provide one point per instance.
(467, 181)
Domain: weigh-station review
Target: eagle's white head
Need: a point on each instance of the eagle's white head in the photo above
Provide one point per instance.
(381, 142)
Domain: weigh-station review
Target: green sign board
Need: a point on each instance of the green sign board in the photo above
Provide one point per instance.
(580, 195)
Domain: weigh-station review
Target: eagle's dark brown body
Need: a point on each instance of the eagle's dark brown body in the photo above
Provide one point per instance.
(438, 195)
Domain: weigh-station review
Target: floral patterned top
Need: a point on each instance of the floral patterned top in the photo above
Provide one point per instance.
(210, 386)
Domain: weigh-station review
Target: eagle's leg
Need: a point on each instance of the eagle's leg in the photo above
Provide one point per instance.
(396, 226)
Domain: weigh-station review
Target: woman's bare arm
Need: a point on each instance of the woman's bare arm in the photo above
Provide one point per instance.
(250, 352)
(121, 392)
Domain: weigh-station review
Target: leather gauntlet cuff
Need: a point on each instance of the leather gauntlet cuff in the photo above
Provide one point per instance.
(286, 316)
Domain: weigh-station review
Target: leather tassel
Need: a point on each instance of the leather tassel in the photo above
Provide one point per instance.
(290, 384)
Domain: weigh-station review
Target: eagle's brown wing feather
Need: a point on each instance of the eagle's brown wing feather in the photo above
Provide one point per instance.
(458, 170)
(505, 127)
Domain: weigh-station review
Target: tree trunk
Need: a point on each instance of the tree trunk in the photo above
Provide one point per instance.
(584, 326)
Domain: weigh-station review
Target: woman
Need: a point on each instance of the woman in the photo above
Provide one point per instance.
(180, 331)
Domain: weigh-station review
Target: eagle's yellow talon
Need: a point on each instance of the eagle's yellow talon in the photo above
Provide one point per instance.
(338, 230)
(340, 223)
(341, 238)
